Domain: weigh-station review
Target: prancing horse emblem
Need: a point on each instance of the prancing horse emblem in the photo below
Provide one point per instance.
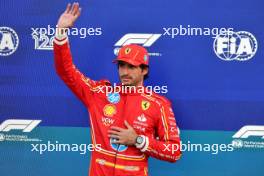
(145, 105)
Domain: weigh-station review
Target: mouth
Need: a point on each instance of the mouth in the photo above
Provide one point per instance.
(125, 79)
(126, 82)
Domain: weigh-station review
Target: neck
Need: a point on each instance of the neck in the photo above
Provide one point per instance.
(140, 84)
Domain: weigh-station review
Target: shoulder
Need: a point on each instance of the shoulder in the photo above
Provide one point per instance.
(162, 99)
(95, 84)
(103, 82)
(158, 99)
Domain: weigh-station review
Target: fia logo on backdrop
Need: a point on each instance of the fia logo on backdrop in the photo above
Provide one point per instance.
(9, 41)
(238, 46)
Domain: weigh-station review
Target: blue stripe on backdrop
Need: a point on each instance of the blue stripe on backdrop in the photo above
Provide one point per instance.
(20, 160)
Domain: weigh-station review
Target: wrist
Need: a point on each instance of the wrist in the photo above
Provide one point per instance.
(140, 141)
(135, 140)
(61, 33)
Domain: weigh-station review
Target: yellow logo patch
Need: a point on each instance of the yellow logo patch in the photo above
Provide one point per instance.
(109, 110)
(145, 105)
(127, 51)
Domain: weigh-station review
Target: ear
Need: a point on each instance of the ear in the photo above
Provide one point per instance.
(145, 71)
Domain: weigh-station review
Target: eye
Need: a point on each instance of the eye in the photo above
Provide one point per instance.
(131, 66)
(121, 64)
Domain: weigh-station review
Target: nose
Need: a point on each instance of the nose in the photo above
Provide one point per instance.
(124, 70)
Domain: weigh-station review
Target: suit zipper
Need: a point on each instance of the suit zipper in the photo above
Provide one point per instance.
(123, 113)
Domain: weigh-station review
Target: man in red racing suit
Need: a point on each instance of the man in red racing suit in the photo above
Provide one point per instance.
(129, 126)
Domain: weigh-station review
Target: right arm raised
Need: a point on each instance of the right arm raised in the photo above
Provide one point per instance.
(83, 87)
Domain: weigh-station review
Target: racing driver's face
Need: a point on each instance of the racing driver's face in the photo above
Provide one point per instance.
(131, 75)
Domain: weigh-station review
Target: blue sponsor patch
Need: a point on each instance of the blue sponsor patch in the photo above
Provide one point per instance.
(113, 97)
(117, 147)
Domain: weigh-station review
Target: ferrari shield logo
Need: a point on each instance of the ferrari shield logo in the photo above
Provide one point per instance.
(145, 105)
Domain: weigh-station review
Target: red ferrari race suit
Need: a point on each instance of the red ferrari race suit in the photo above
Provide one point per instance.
(149, 114)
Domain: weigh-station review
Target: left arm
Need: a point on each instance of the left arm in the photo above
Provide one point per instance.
(167, 146)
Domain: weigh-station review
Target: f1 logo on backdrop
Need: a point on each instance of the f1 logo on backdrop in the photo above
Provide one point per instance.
(250, 130)
(146, 40)
(9, 41)
(19, 124)
(239, 46)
